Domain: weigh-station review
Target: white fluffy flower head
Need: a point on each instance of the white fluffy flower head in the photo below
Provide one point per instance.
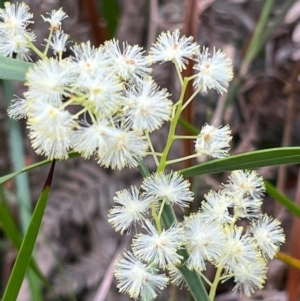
(103, 95)
(171, 188)
(250, 276)
(15, 18)
(88, 62)
(160, 248)
(268, 235)
(138, 279)
(51, 131)
(125, 148)
(238, 248)
(205, 241)
(245, 183)
(214, 72)
(131, 208)
(213, 142)
(16, 45)
(18, 108)
(171, 47)
(91, 139)
(56, 16)
(47, 81)
(128, 63)
(215, 208)
(59, 42)
(148, 106)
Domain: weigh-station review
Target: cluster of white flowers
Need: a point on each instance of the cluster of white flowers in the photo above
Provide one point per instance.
(211, 235)
(101, 101)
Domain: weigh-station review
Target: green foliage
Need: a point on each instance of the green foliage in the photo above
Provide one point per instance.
(11, 231)
(22, 184)
(26, 249)
(282, 199)
(1, 6)
(30, 167)
(110, 11)
(12, 69)
(250, 160)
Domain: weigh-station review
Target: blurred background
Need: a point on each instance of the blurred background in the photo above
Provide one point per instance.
(76, 246)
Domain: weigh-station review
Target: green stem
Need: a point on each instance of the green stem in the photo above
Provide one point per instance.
(48, 41)
(181, 159)
(179, 74)
(213, 288)
(205, 279)
(185, 137)
(191, 98)
(163, 160)
(156, 218)
(161, 208)
(154, 154)
(38, 52)
(75, 116)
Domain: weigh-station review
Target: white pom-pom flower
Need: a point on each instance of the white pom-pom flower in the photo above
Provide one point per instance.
(128, 63)
(171, 47)
(245, 183)
(15, 18)
(215, 208)
(56, 16)
(250, 276)
(238, 249)
(204, 241)
(268, 235)
(47, 81)
(125, 148)
(131, 208)
(171, 188)
(148, 107)
(160, 248)
(137, 279)
(51, 130)
(213, 142)
(214, 72)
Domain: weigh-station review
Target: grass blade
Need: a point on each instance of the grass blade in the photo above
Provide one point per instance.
(22, 182)
(24, 255)
(11, 231)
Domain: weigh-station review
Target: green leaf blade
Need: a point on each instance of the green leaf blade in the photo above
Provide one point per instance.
(24, 256)
(250, 160)
(13, 69)
(5, 178)
(282, 199)
(11, 231)
(9, 226)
